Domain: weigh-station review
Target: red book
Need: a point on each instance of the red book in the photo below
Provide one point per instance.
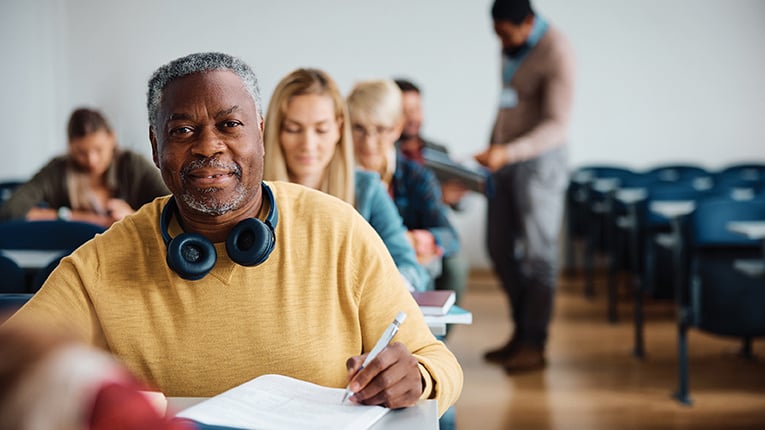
(437, 302)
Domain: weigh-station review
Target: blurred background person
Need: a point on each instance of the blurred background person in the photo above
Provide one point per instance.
(376, 122)
(528, 156)
(307, 141)
(49, 380)
(95, 181)
(411, 143)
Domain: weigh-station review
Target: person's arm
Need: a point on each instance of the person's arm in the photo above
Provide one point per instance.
(64, 301)
(384, 218)
(48, 214)
(432, 213)
(46, 186)
(415, 365)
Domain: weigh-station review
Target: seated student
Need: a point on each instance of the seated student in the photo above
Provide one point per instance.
(308, 141)
(49, 380)
(231, 277)
(95, 181)
(411, 143)
(376, 122)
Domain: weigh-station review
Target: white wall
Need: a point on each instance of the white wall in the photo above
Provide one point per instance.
(658, 80)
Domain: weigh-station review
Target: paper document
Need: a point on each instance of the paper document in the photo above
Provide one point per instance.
(279, 402)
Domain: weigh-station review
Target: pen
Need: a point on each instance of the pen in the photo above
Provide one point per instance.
(379, 346)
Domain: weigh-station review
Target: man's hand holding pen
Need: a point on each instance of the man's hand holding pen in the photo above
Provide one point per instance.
(391, 379)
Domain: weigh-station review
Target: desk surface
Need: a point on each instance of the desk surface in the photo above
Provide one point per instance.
(423, 415)
(750, 229)
(673, 208)
(456, 315)
(32, 258)
(631, 195)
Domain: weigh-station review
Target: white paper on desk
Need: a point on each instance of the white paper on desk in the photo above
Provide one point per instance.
(280, 403)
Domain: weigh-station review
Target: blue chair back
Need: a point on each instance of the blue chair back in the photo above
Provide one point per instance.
(668, 191)
(678, 172)
(12, 277)
(7, 188)
(10, 303)
(708, 225)
(46, 235)
(745, 171)
(578, 194)
(42, 275)
(722, 299)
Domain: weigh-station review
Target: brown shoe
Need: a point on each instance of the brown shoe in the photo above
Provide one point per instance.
(501, 354)
(525, 358)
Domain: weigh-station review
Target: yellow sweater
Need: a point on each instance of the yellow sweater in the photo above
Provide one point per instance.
(326, 293)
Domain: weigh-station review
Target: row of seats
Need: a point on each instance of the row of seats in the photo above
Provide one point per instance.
(667, 228)
(28, 242)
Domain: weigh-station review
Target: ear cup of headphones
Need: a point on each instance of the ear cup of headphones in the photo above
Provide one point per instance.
(191, 256)
(250, 242)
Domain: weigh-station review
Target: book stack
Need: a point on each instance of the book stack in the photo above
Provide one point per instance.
(437, 302)
(439, 309)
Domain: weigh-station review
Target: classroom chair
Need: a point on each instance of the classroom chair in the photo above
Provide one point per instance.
(720, 298)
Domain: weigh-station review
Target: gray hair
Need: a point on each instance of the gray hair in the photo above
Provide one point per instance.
(197, 63)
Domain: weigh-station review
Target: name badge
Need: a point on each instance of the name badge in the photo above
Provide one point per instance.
(508, 98)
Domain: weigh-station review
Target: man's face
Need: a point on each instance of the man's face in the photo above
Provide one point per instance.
(513, 36)
(209, 142)
(412, 107)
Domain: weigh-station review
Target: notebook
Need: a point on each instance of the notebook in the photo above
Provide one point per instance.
(437, 302)
(280, 402)
(456, 315)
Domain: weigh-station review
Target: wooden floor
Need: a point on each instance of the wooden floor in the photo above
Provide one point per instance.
(592, 381)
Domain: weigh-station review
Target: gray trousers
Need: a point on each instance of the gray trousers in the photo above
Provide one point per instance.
(524, 221)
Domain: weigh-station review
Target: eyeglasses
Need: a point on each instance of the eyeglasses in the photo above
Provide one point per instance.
(359, 130)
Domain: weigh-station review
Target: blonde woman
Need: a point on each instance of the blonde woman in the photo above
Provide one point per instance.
(375, 109)
(307, 141)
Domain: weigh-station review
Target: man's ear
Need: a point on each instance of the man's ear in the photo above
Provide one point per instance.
(154, 151)
(260, 125)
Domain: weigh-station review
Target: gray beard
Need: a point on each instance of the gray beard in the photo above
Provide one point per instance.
(208, 204)
(213, 207)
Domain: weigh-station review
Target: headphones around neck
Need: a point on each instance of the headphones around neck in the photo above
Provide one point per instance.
(249, 243)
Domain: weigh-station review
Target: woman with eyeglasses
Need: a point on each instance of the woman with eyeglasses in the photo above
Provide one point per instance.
(307, 141)
(375, 109)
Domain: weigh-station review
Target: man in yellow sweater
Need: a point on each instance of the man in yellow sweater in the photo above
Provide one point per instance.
(231, 278)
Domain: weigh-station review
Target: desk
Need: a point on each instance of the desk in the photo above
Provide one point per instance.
(32, 259)
(753, 230)
(423, 415)
(456, 315)
(673, 209)
(750, 229)
(630, 197)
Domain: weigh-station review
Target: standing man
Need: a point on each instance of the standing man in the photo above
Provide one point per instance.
(528, 156)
